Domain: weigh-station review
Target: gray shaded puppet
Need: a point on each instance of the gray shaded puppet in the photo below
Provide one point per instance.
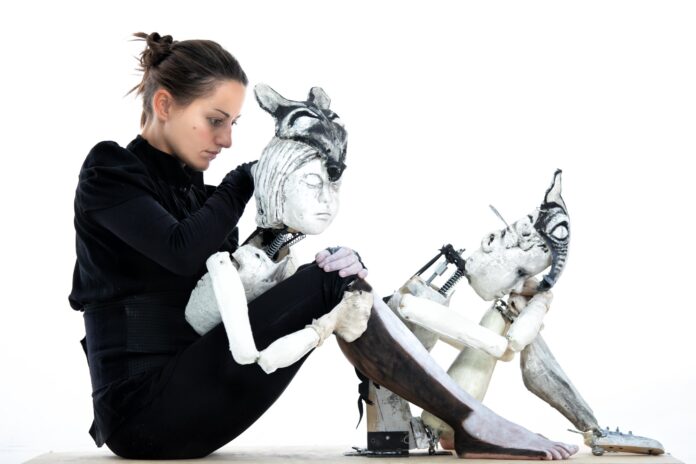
(503, 266)
(306, 159)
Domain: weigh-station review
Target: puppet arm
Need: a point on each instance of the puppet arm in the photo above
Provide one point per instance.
(451, 324)
(220, 297)
(232, 305)
(348, 320)
(529, 323)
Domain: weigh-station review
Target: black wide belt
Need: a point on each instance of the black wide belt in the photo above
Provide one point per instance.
(135, 334)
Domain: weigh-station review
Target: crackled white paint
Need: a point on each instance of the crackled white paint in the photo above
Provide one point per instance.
(231, 302)
(530, 321)
(441, 320)
(506, 258)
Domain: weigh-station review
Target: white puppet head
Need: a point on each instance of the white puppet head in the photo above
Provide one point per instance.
(510, 256)
(297, 178)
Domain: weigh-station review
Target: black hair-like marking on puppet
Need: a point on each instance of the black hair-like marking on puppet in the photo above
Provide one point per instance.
(559, 247)
(327, 137)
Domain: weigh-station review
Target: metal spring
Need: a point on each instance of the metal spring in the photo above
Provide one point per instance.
(451, 282)
(275, 245)
(293, 240)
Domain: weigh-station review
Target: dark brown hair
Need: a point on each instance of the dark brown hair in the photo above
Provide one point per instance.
(188, 69)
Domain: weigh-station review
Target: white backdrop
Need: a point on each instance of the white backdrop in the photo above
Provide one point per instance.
(449, 107)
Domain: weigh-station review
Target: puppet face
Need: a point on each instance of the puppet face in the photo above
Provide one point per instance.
(509, 256)
(297, 177)
(310, 199)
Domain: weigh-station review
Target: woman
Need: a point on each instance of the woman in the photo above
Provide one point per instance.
(145, 224)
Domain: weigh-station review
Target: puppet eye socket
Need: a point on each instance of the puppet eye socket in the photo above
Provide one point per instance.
(304, 122)
(560, 232)
(313, 180)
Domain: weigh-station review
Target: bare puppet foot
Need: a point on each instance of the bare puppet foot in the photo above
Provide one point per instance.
(487, 435)
(388, 353)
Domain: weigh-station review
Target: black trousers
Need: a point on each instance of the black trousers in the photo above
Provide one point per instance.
(209, 399)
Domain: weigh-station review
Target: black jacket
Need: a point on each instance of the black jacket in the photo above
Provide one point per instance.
(145, 224)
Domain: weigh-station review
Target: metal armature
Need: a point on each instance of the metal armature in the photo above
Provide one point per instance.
(451, 256)
(283, 239)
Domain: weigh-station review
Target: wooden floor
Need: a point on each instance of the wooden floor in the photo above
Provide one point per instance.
(290, 455)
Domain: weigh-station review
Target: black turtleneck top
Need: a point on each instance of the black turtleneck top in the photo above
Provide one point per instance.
(145, 224)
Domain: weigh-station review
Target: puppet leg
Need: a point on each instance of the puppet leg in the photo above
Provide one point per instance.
(544, 377)
(391, 356)
(471, 370)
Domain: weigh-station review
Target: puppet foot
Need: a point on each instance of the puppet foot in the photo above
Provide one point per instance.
(606, 440)
(484, 434)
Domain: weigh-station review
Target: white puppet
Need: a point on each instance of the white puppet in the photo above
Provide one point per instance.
(296, 188)
(503, 266)
(297, 181)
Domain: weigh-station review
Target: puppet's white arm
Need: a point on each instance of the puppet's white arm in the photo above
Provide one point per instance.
(231, 301)
(220, 297)
(288, 350)
(348, 320)
(450, 324)
(530, 321)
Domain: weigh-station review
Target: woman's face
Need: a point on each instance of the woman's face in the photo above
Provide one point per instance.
(310, 199)
(196, 133)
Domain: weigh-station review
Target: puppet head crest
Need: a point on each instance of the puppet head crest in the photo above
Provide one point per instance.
(309, 122)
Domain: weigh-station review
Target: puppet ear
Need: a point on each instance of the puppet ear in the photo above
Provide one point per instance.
(318, 97)
(269, 99)
(553, 194)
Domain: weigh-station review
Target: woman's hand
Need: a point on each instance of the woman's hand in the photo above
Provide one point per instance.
(344, 260)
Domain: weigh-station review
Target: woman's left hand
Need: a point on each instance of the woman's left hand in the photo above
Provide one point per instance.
(344, 260)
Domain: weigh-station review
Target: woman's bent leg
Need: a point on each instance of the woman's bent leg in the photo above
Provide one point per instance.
(209, 399)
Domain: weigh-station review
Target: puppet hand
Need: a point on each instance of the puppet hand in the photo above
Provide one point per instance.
(530, 321)
(344, 260)
(530, 287)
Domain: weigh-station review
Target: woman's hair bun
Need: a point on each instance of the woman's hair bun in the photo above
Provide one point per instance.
(158, 48)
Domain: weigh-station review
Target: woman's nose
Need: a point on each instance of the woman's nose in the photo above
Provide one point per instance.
(224, 139)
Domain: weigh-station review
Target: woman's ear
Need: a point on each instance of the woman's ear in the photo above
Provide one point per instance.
(162, 103)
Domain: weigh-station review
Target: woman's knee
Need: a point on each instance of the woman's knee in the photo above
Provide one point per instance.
(332, 284)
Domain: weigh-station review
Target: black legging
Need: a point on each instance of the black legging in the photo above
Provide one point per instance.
(210, 399)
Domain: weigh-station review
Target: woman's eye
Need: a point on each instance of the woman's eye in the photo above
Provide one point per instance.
(216, 122)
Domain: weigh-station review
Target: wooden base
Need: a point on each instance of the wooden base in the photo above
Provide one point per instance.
(291, 455)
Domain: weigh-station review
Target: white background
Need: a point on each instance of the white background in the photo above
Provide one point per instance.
(449, 107)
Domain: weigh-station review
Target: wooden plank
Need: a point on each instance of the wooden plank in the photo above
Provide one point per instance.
(292, 455)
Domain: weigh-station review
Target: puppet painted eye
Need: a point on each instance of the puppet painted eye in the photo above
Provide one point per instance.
(313, 181)
(560, 232)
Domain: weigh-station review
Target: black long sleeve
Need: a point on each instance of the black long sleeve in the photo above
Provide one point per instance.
(146, 224)
(179, 246)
